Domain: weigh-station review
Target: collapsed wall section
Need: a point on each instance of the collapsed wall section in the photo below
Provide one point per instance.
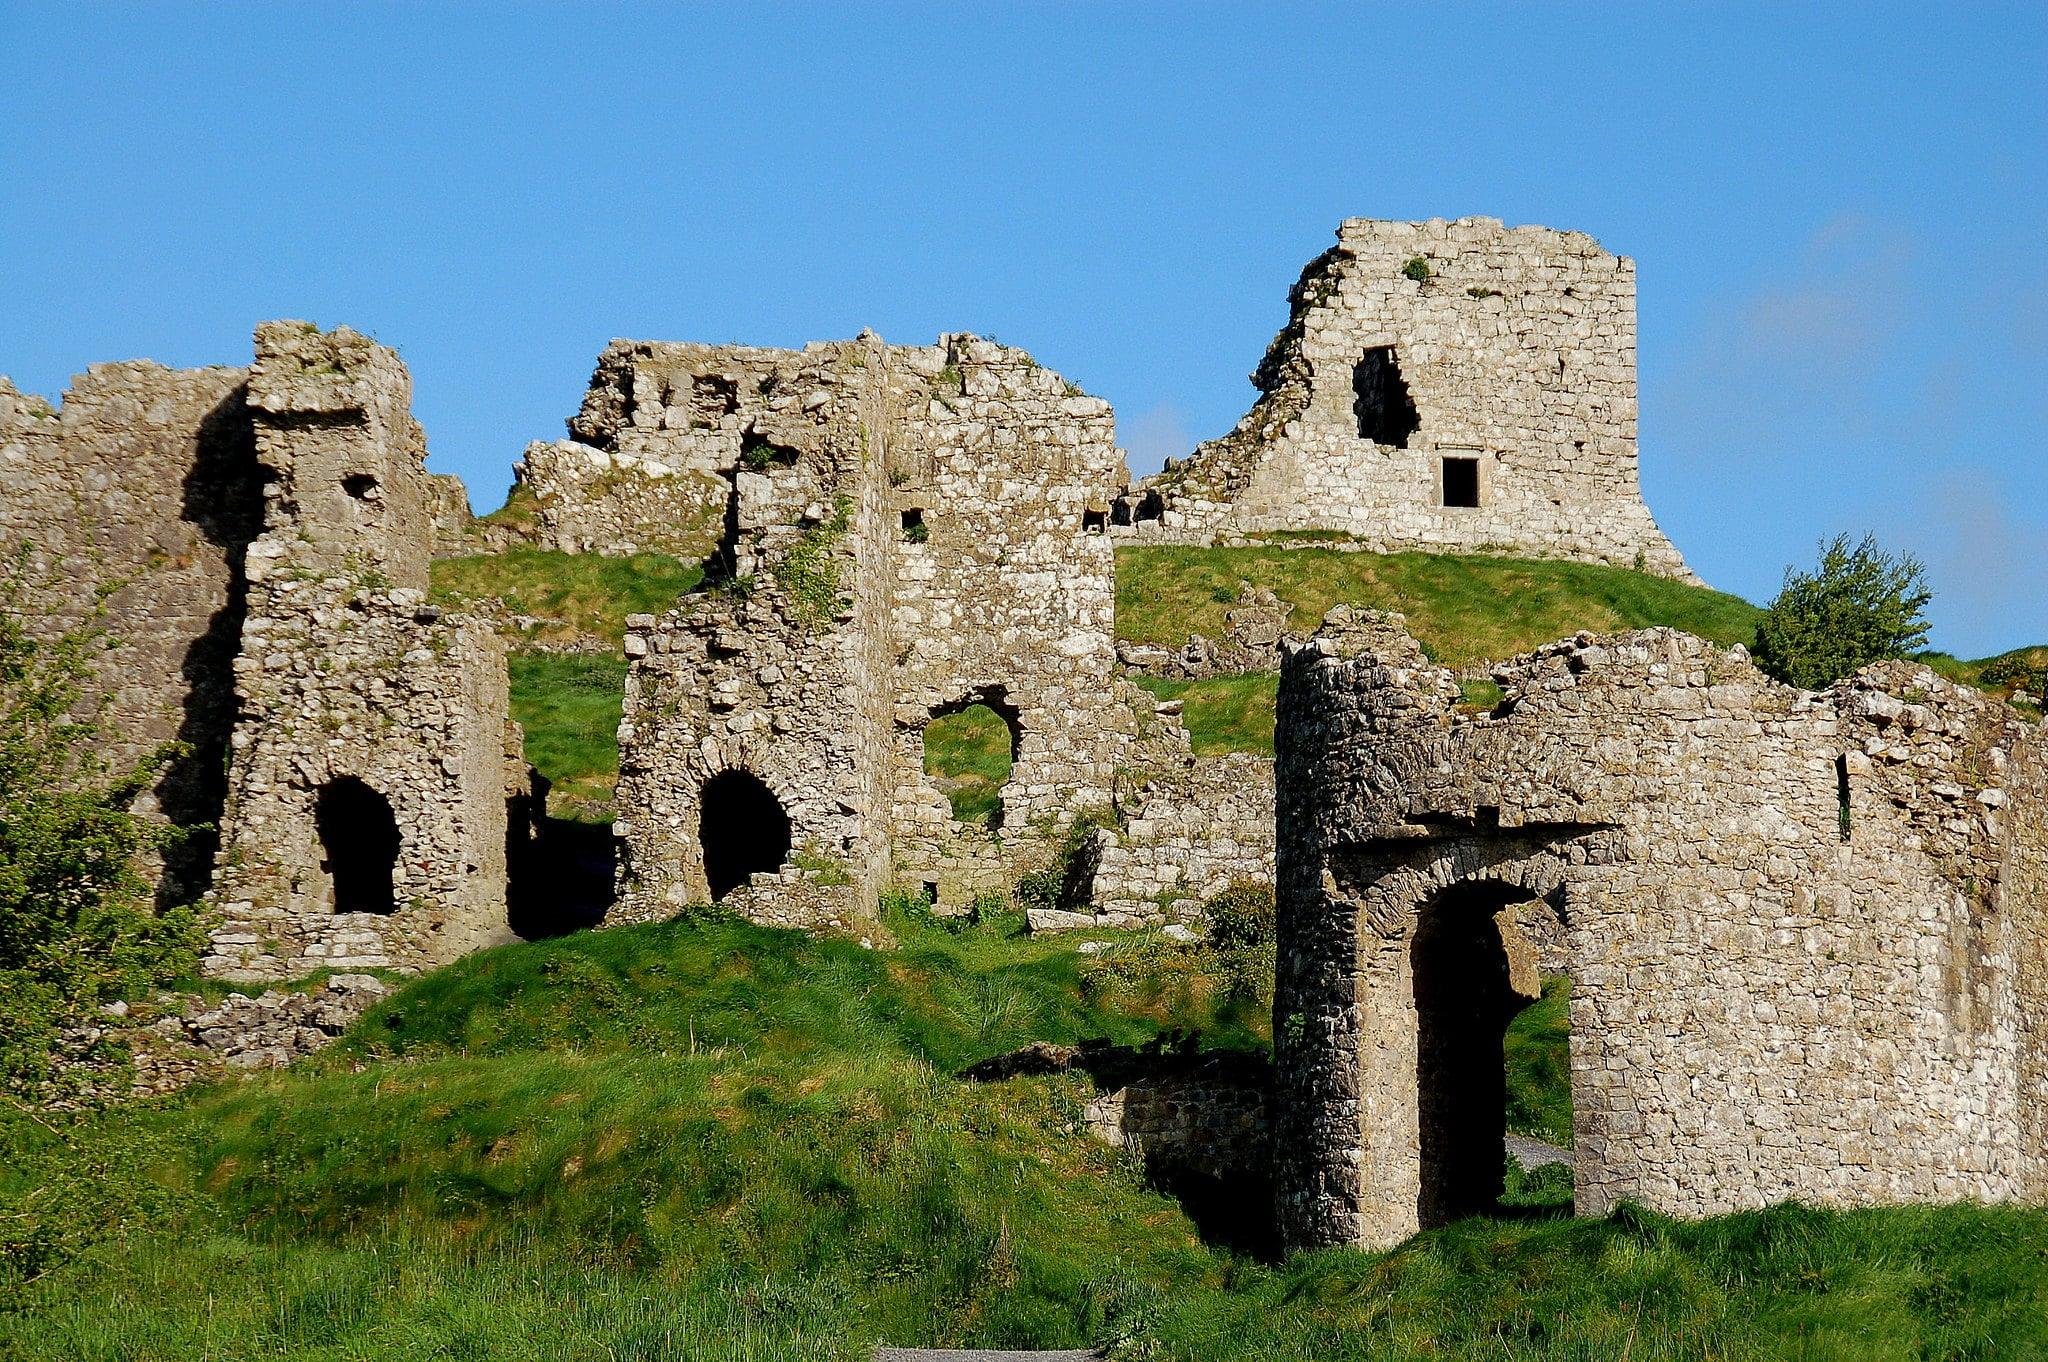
(1791, 924)
(907, 531)
(755, 731)
(374, 755)
(1446, 386)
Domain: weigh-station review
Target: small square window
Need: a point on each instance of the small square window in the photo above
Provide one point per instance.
(1095, 522)
(1461, 481)
(914, 530)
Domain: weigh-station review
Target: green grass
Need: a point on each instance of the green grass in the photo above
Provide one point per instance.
(1539, 1066)
(709, 1140)
(576, 596)
(1463, 609)
(568, 706)
(1223, 713)
(2021, 669)
(969, 752)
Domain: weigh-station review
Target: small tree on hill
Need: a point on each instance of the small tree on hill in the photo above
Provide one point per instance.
(1860, 604)
(77, 926)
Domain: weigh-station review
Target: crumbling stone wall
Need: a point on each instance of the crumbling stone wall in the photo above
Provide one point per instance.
(1425, 365)
(371, 748)
(1803, 930)
(578, 498)
(144, 479)
(907, 530)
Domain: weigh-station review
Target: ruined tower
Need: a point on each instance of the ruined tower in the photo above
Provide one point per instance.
(907, 530)
(1447, 386)
(373, 756)
(1804, 931)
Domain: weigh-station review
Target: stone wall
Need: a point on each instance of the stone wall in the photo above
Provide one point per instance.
(144, 479)
(373, 756)
(577, 498)
(907, 530)
(1447, 386)
(1803, 930)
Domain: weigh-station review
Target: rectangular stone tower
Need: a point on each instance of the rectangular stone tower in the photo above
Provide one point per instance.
(1447, 386)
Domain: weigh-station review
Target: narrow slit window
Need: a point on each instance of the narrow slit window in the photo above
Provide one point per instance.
(1842, 792)
(1461, 481)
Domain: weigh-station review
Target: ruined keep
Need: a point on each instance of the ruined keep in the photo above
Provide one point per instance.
(1805, 932)
(907, 531)
(268, 532)
(374, 755)
(1447, 386)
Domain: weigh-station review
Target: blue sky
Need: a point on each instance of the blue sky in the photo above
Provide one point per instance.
(1838, 215)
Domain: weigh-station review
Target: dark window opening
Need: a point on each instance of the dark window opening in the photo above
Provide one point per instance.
(361, 486)
(759, 453)
(915, 531)
(1463, 1002)
(1461, 482)
(1151, 506)
(1842, 792)
(1386, 413)
(358, 845)
(1095, 522)
(742, 829)
(931, 891)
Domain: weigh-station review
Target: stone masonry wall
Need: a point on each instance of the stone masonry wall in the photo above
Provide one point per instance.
(1514, 350)
(1802, 929)
(145, 478)
(907, 530)
(576, 498)
(373, 728)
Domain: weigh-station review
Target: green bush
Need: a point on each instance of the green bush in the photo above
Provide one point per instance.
(1859, 604)
(77, 927)
(1417, 269)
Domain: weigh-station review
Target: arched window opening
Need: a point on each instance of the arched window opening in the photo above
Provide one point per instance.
(742, 829)
(358, 845)
(1467, 990)
(1386, 413)
(970, 748)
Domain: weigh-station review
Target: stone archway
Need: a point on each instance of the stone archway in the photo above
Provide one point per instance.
(359, 845)
(742, 830)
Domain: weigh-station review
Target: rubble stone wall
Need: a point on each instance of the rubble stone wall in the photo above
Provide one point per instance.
(1188, 833)
(1802, 929)
(349, 677)
(1510, 351)
(907, 530)
(144, 479)
(575, 498)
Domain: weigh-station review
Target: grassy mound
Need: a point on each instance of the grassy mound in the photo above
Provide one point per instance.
(1223, 713)
(708, 1140)
(1462, 609)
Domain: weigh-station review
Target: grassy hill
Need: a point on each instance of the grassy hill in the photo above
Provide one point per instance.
(703, 1139)
(1463, 610)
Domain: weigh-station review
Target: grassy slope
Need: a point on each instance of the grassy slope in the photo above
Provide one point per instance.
(1463, 609)
(710, 1140)
(1224, 713)
(567, 704)
(576, 597)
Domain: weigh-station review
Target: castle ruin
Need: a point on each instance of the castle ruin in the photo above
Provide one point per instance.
(1805, 932)
(1454, 387)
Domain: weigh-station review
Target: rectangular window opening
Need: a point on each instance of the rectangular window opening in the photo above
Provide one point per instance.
(914, 530)
(1095, 522)
(1461, 481)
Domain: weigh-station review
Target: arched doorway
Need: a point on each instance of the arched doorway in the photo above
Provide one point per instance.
(1465, 995)
(358, 845)
(742, 830)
